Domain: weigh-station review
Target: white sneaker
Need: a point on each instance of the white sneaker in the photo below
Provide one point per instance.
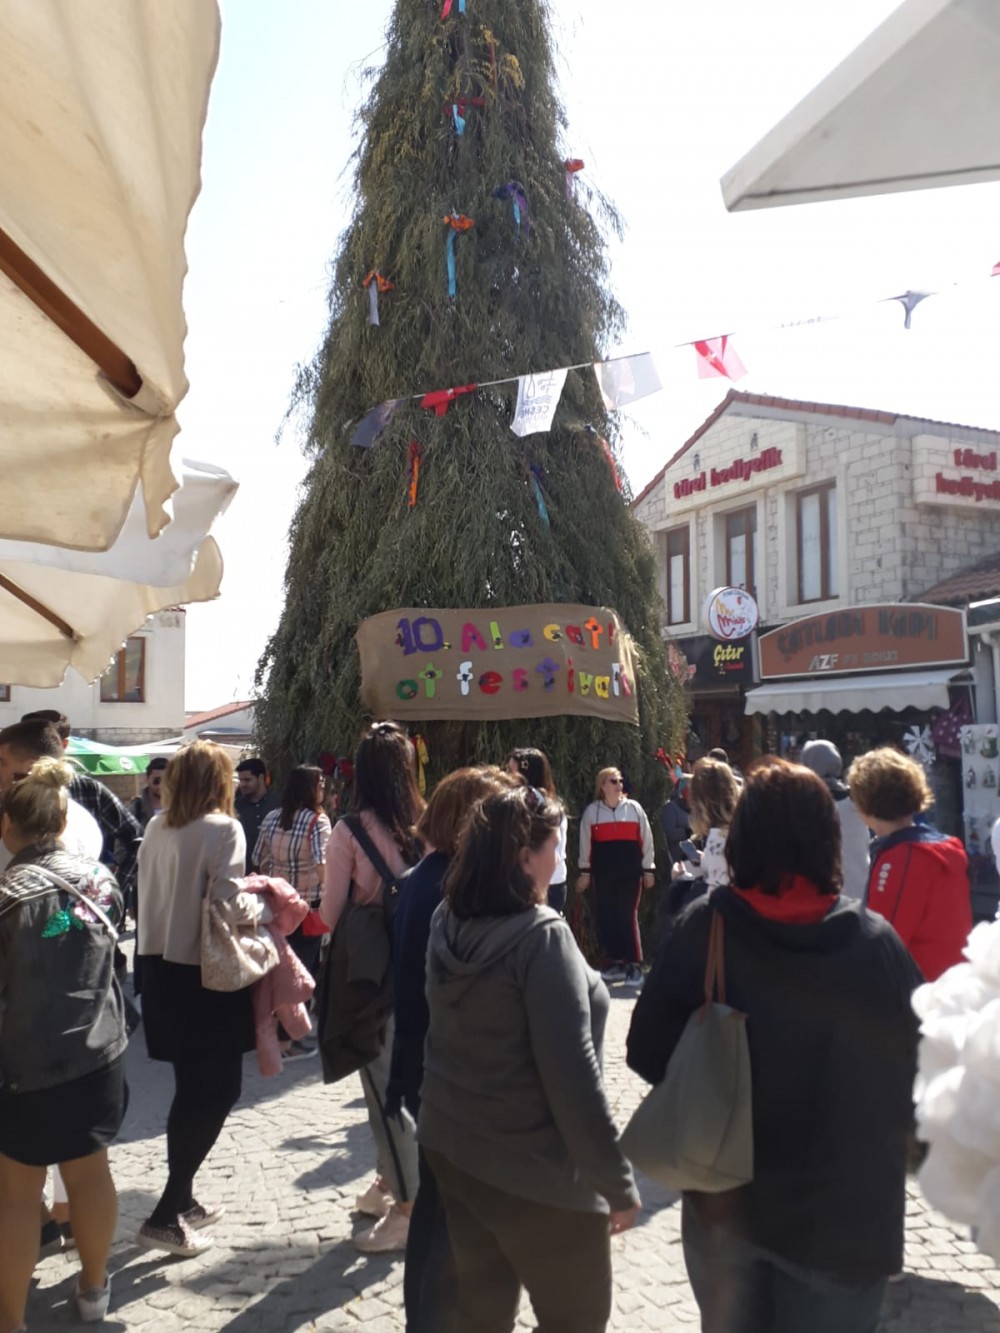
(386, 1235)
(92, 1305)
(614, 973)
(633, 975)
(374, 1202)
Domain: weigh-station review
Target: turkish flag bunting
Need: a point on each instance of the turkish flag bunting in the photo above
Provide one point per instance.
(717, 358)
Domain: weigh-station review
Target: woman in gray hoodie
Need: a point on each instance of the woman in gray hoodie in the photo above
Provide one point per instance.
(514, 1120)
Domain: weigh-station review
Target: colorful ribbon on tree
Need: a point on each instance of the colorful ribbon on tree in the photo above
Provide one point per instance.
(375, 284)
(422, 758)
(572, 165)
(446, 10)
(537, 474)
(606, 450)
(439, 400)
(514, 191)
(455, 222)
(414, 457)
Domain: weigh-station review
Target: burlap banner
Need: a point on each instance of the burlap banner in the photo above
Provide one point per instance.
(506, 662)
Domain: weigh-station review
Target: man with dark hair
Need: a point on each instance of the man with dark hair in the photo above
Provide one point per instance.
(254, 800)
(121, 832)
(20, 745)
(149, 802)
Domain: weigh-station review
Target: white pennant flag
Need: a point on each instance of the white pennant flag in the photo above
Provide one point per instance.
(626, 378)
(537, 399)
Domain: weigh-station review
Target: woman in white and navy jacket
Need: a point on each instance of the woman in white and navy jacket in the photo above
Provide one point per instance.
(616, 856)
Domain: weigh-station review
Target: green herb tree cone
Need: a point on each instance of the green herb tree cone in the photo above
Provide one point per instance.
(527, 298)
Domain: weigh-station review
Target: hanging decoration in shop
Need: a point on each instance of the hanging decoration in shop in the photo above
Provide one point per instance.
(920, 744)
(537, 474)
(717, 357)
(571, 166)
(514, 191)
(414, 457)
(456, 224)
(946, 731)
(377, 286)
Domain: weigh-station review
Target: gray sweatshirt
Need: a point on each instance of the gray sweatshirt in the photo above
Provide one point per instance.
(513, 1092)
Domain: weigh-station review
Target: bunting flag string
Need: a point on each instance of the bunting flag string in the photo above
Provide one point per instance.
(716, 356)
(456, 223)
(376, 284)
(439, 400)
(414, 457)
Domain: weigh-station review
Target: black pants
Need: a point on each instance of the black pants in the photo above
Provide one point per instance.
(206, 1090)
(501, 1242)
(429, 1276)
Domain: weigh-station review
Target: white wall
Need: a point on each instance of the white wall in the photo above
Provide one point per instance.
(162, 713)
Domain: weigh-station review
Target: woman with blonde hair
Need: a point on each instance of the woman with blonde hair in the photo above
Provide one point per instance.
(616, 856)
(194, 850)
(62, 1041)
(713, 795)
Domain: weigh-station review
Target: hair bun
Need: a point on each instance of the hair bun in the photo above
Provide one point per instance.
(50, 772)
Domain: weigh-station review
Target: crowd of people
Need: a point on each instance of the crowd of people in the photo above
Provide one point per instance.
(452, 984)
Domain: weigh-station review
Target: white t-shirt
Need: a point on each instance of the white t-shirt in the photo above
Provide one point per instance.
(559, 874)
(82, 836)
(995, 843)
(713, 865)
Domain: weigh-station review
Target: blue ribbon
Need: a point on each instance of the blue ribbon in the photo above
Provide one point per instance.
(461, 6)
(450, 255)
(457, 119)
(536, 481)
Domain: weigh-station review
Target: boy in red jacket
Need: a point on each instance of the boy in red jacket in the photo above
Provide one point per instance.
(919, 878)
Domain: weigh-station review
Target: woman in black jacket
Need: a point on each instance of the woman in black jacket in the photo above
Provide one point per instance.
(825, 986)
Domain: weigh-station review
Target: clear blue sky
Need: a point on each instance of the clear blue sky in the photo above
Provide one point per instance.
(662, 99)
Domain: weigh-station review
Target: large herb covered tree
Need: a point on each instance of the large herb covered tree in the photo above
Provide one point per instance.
(497, 520)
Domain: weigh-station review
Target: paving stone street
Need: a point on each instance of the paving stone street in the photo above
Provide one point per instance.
(293, 1156)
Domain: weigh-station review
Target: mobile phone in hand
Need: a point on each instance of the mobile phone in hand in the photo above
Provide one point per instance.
(690, 852)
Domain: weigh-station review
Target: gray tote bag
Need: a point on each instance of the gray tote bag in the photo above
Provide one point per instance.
(694, 1131)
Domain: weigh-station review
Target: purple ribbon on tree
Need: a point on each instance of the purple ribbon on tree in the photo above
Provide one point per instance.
(514, 191)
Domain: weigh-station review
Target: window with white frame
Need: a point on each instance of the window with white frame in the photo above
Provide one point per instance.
(741, 549)
(816, 542)
(678, 583)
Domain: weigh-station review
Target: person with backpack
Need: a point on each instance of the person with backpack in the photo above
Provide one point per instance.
(383, 830)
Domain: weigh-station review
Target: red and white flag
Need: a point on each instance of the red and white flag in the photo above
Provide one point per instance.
(717, 359)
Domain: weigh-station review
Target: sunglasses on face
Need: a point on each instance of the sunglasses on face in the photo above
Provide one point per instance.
(615, 782)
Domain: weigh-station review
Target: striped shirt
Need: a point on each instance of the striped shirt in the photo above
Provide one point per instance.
(296, 855)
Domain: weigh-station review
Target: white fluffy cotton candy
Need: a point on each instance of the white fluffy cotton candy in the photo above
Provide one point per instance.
(957, 1091)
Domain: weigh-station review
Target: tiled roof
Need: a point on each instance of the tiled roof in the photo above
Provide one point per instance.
(973, 584)
(192, 720)
(734, 396)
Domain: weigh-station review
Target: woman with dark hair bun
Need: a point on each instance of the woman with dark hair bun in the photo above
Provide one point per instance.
(388, 805)
(514, 1120)
(533, 767)
(825, 988)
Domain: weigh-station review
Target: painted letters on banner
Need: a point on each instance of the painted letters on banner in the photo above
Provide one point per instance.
(503, 662)
(537, 399)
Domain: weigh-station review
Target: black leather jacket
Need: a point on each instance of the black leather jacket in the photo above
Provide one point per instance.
(61, 1009)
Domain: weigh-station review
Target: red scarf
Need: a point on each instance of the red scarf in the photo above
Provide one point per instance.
(798, 903)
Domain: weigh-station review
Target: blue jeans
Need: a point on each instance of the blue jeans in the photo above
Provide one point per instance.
(743, 1289)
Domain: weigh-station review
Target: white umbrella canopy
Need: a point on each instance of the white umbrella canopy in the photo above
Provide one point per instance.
(916, 106)
(62, 608)
(102, 104)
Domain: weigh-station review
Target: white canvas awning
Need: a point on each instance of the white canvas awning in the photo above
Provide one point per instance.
(102, 104)
(916, 106)
(855, 694)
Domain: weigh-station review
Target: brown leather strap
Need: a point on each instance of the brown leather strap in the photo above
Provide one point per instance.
(715, 962)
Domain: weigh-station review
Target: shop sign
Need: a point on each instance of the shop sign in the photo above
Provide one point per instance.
(865, 638)
(713, 471)
(717, 663)
(731, 614)
(956, 476)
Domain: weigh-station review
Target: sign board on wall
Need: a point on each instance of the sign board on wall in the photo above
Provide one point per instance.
(865, 638)
(503, 662)
(731, 613)
(717, 664)
(958, 476)
(734, 457)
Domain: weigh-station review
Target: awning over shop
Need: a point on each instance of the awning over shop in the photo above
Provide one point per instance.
(856, 694)
(913, 107)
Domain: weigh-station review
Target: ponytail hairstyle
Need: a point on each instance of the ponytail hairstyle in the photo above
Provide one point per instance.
(36, 805)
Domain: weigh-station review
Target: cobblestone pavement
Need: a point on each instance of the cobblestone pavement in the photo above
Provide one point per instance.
(288, 1166)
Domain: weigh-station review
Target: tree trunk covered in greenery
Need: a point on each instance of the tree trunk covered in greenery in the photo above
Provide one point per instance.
(526, 301)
